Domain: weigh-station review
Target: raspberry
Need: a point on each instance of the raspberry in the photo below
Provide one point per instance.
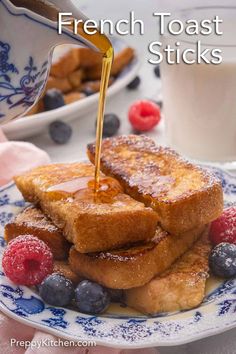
(27, 260)
(144, 115)
(223, 229)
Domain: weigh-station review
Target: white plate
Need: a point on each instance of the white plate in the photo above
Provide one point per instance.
(119, 327)
(35, 124)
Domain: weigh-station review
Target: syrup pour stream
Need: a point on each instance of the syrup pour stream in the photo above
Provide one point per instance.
(106, 69)
(103, 44)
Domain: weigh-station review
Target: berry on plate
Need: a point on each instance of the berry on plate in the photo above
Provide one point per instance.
(57, 290)
(53, 99)
(223, 229)
(144, 115)
(60, 132)
(27, 260)
(111, 125)
(134, 84)
(91, 297)
(157, 71)
(222, 260)
(88, 91)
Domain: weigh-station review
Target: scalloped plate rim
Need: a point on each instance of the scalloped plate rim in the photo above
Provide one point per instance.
(171, 343)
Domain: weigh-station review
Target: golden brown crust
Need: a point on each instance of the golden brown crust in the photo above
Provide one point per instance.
(184, 195)
(65, 61)
(90, 226)
(63, 268)
(88, 57)
(73, 97)
(133, 266)
(181, 287)
(32, 221)
(75, 79)
(62, 84)
(121, 60)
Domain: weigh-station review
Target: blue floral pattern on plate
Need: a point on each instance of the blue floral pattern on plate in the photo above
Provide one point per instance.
(215, 315)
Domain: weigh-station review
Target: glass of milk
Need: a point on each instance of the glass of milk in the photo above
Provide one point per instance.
(200, 99)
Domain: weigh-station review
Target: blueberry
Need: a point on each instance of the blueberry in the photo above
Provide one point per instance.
(91, 297)
(111, 125)
(88, 91)
(53, 99)
(157, 71)
(56, 290)
(222, 260)
(116, 295)
(60, 132)
(134, 84)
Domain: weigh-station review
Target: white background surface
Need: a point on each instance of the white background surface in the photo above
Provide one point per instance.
(84, 130)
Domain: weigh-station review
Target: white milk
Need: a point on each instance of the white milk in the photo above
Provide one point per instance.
(200, 105)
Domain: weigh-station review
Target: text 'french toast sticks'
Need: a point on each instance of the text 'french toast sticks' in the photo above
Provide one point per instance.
(31, 221)
(184, 195)
(135, 265)
(65, 192)
(181, 287)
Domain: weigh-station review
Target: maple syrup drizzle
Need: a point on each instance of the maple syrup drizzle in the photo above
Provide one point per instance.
(106, 69)
(103, 44)
(82, 188)
(73, 186)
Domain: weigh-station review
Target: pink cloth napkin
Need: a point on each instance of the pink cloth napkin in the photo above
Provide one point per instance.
(16, 157)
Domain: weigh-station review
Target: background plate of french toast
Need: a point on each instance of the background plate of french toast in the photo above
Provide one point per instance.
(144, 240)
(76, 73)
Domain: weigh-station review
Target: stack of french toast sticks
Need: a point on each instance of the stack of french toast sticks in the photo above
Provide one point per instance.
(146, 231)
(76, 72)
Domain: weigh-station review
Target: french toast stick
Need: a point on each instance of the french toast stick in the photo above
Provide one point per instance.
(136, 265)
(75, 79)
(63, 268)
(181, 287)
(89, 58)
(184, 195)
(111, 221)
(121, 60)
(65, 60)
(32, 221)
(62, 84)
(73, 96)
